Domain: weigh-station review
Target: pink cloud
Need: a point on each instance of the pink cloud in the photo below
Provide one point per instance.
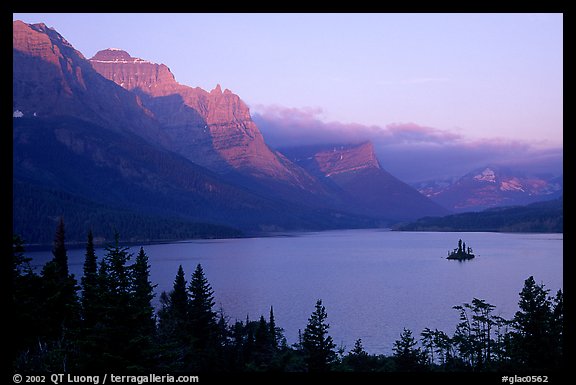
(412, 132)
(410, 151)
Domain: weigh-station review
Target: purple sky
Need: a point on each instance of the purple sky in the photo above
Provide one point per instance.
(421, 81)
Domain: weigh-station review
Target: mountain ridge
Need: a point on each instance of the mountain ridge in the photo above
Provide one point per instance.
(355, 172)
(78, 144)
(491, 186)
(136, 139)
(539, 217)
(223, 124)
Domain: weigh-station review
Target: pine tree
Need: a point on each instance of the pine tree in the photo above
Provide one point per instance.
(20, 263)
(26, 311)
(533, 340)
(142, 294)
(443, 347)
(202, 317)
(407, 356)
(173, 325)
(262, 345)
(90, 285)
(59, 251)
(117, 273)
(358, 349)
(427, 338)
(115, 325)
(358, 359)
(61, 306)
(173, 314)
(142, 313)
(248, 351)
(318, 346)
(557, 328)
(237, 346)
(206, 341)
(273, 332)
(179, 297)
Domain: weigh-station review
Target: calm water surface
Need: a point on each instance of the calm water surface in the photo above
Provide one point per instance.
(373, 283)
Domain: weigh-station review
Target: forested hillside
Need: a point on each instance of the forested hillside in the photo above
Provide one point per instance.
(540, 217)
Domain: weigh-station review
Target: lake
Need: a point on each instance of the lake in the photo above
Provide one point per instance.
(373, 282)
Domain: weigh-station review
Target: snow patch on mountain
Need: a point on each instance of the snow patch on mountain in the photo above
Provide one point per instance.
(511, 185)
(488, 175)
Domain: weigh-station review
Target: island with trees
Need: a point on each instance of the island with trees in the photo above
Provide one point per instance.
(461, 253)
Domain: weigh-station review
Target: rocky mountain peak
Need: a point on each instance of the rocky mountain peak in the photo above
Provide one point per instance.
(52, 79)
(33, 40)
(487, 175)
(131, 72)
(42, 56)
(492, 186)
(217, 90)
(341, 159)
(113, 55)
(213, 129)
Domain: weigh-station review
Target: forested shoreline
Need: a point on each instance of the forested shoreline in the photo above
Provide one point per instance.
(538, 217)
(105, 321)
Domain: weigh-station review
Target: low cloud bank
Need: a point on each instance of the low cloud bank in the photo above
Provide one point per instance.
(409, 151)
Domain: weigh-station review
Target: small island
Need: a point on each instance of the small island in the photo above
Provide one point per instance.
(461, 253)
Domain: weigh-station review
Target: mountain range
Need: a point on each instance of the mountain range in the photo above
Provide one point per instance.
(115, 143)
(492, 186)
(116, 134)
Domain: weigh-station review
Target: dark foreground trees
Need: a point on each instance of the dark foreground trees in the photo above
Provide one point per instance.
(48, 306)
(108, 324)
(537, 336)
(318, 346)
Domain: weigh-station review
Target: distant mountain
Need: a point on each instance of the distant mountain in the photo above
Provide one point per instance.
(491, 186)
(540, 217)
(354, 174)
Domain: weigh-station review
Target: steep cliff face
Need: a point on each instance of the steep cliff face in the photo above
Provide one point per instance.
(51, 78)
(344, 159)
(122, 131)
(132, 73)
(361, 181)
(86, 148)
(42, 76)
(213, 128)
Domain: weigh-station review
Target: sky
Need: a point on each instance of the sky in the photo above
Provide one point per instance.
(472, 79)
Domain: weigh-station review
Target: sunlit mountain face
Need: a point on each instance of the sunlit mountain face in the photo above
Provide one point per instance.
(144, 143)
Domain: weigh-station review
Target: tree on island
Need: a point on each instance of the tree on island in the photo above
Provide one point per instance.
(461, 252)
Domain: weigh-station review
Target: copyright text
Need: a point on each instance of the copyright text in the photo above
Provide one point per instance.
(102, 379)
